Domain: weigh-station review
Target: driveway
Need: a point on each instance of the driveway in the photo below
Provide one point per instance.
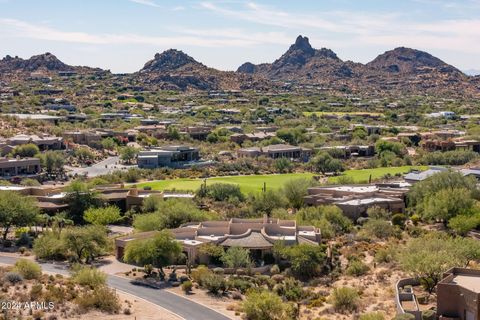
(182, 307)
(100, 168)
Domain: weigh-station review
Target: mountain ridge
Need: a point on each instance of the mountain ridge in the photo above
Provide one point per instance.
(400, 69)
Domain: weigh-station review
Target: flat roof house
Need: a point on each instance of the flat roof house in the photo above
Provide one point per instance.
(276, 151)
(458, 294)
(19, 166)
(354, 200)
(44, 142)
(170, 156)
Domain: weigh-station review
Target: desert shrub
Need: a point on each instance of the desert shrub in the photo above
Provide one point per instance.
(384, 255)
(13, 277)
(293, 290)
(187, 286)
(28, 269)
(357, 268)
(262, 305)
(378, 228)
(239, 284)
(399, 220)
(200, 273)
(221, 192)
(102, 298)
(89, 277)
(49, 246)
(36, 291)
(345, 299)
(214, 283)
(372, 316)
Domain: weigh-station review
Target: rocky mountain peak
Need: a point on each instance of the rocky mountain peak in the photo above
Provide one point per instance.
(302, 44)
(169, 60)
(407, 60)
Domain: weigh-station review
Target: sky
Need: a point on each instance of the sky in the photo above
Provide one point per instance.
(121, 35)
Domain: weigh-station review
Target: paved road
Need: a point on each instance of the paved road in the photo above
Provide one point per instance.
(103, 167)
(182, 307)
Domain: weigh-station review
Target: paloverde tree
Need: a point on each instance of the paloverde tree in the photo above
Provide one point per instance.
(16, 210)
(128, 153)
(160, 251)
(295, 190)
(306, 260)
(443, 196)
(236, 257)
(53, 162)
(102, 216)
(84, 244)
(428, 257)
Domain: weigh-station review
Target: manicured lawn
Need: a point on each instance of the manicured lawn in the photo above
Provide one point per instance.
(255, 183)
(364, 175)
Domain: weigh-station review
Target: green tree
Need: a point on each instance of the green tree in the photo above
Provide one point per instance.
(306, 260)
(171, 214)
(80, 198)
(327, 218)
(283, 165)
(383, 146)
(26, 150)
(53, 161)
(421, 192)
(221, 192)
(463, 223)
(16, 210)
(236, 257)
(266, 202)
(84, 244)
(128, 153)
(159, 251)
(109, 144)
(447, 203)
(103, 215)
(323, 162)
(295, 190)
(213, 251)
(427, 257)
(378, 228)
(84, 155)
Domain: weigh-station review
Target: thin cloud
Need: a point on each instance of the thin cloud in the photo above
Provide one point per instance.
(149, 3)
(201, 38)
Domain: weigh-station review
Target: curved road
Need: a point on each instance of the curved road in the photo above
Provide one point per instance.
(182, 307)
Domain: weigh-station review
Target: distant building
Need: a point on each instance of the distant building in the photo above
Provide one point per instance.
(442, 114)
(347, 152)
(276, 151)
(44, 142)
(355, 200)
(19, 166)
(171, 156)
(257, 136)
(198, 132)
